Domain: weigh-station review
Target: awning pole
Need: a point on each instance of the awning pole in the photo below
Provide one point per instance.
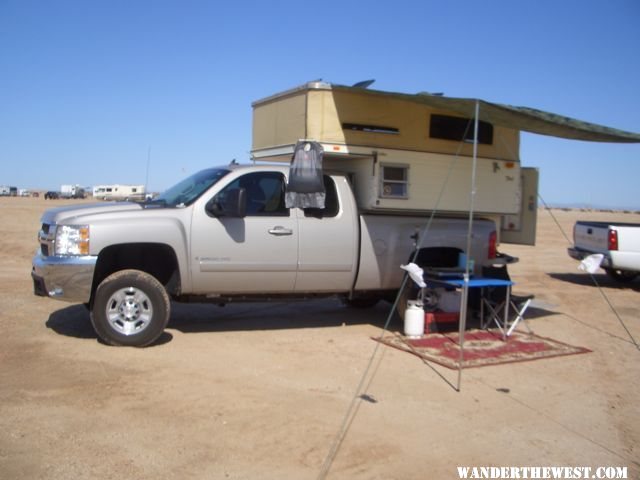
(462, 324)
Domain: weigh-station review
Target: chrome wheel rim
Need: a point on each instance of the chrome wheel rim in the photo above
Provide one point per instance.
(129, 311)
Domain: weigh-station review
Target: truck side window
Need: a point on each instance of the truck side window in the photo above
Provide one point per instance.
(331, 204)
(265, 193)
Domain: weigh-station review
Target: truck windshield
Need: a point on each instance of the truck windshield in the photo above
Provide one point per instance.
(188, 190)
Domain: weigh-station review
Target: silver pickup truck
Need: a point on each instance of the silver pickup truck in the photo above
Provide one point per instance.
(224, 234)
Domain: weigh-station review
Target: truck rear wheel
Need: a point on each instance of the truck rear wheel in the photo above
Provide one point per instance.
(624, 276)
(130, 308)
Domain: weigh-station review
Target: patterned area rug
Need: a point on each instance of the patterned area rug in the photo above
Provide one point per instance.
(481, 348)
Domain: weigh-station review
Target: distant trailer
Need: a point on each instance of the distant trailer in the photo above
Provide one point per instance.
(6, 191)
(119, 192)
(72, 191)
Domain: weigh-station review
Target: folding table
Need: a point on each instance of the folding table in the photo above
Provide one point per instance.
(483, 283)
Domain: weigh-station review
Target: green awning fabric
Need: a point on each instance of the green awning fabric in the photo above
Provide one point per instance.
(521, 118)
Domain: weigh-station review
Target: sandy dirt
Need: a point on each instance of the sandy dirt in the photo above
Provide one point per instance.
(254, 391)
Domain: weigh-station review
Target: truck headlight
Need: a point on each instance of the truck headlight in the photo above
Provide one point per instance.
(72, 240)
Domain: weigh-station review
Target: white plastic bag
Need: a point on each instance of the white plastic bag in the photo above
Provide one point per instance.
(416, 273)
(591, 263)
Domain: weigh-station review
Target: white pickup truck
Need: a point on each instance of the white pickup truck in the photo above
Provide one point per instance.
(618, 243)
(224, 234)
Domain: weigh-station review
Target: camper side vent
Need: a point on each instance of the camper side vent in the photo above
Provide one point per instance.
(459, 129)
(358, 127)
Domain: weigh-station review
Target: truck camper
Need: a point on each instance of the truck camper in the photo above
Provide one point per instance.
(356, 183)
(405, 154)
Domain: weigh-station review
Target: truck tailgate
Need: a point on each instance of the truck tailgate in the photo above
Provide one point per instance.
(591, 236)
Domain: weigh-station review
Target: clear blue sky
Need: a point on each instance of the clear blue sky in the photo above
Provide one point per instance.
(89, 88)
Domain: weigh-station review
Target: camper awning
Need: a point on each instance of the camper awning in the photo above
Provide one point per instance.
(520, 118)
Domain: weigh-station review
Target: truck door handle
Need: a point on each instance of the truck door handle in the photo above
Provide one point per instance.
(279, 231)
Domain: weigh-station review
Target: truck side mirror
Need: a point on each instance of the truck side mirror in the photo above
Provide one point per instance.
(233, 204)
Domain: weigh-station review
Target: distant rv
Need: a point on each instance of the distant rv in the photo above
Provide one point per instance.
(6, 191)
(118, 192)
(72, 191)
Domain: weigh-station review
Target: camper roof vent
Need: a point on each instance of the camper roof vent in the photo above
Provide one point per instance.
(363, 84)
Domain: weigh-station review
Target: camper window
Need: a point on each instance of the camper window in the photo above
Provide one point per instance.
(459, 129)
(394, 181)
(358, 127)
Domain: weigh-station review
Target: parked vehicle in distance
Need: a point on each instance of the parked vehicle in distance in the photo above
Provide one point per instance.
(6, 191)
(619, 243)
(72, 191)
(118, 192)
(51, 195)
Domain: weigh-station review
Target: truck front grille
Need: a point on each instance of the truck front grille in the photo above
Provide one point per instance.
(46, 238)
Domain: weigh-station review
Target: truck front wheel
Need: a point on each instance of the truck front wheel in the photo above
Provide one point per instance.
(130, 308)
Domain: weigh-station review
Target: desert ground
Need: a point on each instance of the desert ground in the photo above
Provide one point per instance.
(262, 391)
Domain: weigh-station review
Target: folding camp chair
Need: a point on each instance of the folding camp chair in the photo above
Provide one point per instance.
(496, 297)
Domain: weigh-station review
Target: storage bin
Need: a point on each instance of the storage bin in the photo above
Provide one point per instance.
(436, 321)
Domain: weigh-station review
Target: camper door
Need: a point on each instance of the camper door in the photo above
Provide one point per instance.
(521, 228)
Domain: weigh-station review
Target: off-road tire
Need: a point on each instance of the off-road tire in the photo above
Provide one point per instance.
(130, 308)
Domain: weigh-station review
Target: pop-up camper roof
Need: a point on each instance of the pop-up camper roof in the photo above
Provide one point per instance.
(412, 152)
(383, 111)
(347, 119)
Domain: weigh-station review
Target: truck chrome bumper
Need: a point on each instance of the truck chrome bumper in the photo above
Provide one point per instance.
(577, 254)
(63, 278)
